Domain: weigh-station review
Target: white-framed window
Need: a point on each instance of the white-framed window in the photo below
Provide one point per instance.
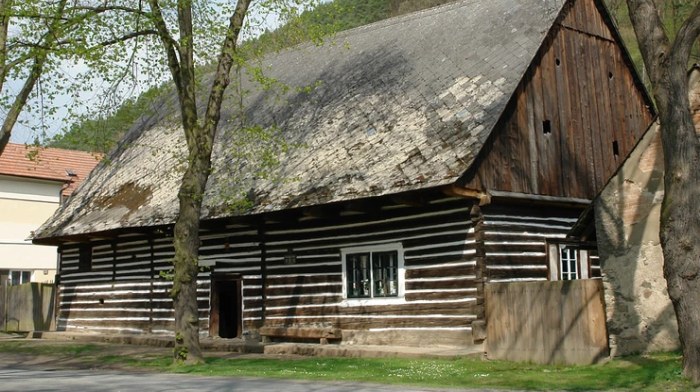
(373, 272)
(20, 277)
(568, 261)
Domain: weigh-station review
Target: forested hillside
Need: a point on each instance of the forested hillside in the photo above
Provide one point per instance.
(101, 133)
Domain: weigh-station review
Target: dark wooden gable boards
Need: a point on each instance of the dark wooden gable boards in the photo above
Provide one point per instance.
(575, 116)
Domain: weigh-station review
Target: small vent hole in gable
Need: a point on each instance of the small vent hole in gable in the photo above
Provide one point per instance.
(546, 127)
(616, 149)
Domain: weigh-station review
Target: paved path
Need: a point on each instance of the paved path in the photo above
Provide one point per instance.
(33, 380)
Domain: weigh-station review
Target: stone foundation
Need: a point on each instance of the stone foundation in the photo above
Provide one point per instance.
(413, 338)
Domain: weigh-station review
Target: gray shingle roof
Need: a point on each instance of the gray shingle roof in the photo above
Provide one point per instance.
(402, 104)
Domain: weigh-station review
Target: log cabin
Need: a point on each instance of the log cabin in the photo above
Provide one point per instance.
(424, 157)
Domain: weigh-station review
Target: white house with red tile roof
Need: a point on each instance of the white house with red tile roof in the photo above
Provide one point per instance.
(33, 183)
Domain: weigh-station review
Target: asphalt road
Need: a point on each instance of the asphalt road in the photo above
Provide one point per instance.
(34, 380)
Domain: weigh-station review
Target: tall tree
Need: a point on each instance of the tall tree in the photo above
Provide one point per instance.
(666, 60)
(199, 134)
(185, 35)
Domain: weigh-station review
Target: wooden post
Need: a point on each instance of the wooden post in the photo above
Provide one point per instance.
(114, 260)
(479, 325)
(150, 286)
(263, 269)
(3, 305)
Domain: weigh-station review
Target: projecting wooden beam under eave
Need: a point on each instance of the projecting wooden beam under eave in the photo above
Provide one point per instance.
(540, 199)
(458, 191)
(325, 211)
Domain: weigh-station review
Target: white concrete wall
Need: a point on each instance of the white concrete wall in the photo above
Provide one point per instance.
(24, 205)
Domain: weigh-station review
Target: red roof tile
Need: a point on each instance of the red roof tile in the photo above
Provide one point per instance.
(48, 164)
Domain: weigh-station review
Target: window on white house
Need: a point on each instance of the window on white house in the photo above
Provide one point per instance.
(373, 272)
(20, 277)
(568, 261)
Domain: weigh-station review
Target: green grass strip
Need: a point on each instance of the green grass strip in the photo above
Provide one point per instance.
(648, 372)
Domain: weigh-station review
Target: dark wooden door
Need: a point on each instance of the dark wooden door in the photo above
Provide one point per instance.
(225, 318)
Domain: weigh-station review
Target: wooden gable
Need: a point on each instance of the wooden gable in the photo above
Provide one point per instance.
(575, 116)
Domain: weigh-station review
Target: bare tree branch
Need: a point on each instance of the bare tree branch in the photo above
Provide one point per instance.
(129, 36)
(188, 101)
(9, 65)
(686, 37)
(650, 35)
(170, 45)
(5, 6)
(222, 75)
(103, 9)
(86, 11)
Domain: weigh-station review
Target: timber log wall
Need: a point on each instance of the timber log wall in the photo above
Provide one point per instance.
(515, 239)
(123, 291)
(449, 250)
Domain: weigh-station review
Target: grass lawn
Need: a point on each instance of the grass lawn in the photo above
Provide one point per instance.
(650, 372)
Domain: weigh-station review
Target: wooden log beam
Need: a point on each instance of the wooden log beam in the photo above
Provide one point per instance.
(454, 190)
(541, 199)
(321, 212)
(412, 199)
(361, 206)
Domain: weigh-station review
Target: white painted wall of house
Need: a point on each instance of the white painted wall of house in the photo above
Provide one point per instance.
(25, 204)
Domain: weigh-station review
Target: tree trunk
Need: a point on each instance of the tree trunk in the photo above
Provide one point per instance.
(20, 100)
(680, 219)
(5, 8)
(186, 261)
(667, 64)
(680, 228)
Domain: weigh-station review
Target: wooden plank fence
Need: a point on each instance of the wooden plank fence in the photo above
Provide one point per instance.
(560, 322)
(27, 307)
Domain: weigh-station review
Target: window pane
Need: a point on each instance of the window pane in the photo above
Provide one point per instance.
(568, 264)
(20, 277)
(385, 274)
(358, 274)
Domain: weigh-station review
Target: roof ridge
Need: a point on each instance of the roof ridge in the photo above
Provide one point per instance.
(382, 23)
(50, 148)
(409, 16)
